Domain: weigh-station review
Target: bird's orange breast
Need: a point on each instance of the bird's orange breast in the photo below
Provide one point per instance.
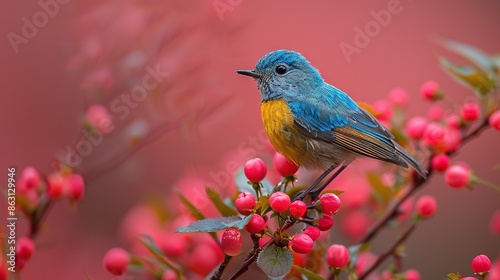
(280, 128)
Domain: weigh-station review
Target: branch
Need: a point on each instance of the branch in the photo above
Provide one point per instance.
(222, 267)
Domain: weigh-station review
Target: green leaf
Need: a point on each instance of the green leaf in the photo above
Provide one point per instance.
(275, 261)
(474, 55)
(191, 208)
(307, 273)
(454, 276)
(383, 192)
(469, 76)
(215, 224)
(336, 192)
(223, 208)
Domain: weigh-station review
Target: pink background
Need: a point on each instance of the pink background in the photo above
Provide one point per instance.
(43, 104)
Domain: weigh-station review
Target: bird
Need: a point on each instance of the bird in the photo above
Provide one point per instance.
(316, 125)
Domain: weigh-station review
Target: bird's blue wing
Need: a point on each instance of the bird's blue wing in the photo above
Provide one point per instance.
(330, 115)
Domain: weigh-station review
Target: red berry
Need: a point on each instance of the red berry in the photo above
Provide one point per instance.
(426, 206)
(457, 176)
(279, 202)
(430, 91)
(481, 263)
(440, 162)
(453, 121)
(284, 166)
(495, 222)
(256, 224)
(494, 120)
(244, 203)
(30, 178)
(313, 232)
(25, 248)
(76, 187)
(298, 208)
(302, 243)
(398, 97)
(337, 256)
(416, 126)
(325, 223)
(330, 203)
(98, 117)
(470, 111)
(383, 107)
(56, 185)
(412, 274)
(116, 261)
(434, 135)
(255, 170)
(231, 242)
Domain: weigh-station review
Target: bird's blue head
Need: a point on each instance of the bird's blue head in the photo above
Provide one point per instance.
(284, 73)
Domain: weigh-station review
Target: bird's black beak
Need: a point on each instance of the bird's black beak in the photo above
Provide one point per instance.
(250, 73)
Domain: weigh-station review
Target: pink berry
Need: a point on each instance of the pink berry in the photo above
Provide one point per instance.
(495, 222)
(383, 107)
(468, 278)
(231, 242)
(302, 243)
(256, 224)
(279, 202)
(313, 232)
(99, 117)
(494, 120)
(453, 121)
(298, 208)
(457, 176)
(169, 275)
(337, 256)
(76, 187)
(481, 263)
(244, 203)
(412, 274)
(116, 261)
(25, 248)
(398, 97)
(416, 126)
(56, 185)
(430, 91)
(30, 178)
(284, 166)
(451, 140)
(435, 113)
(330, 203)
(434, 135)
(426, 206)
(325, 223)
(470, 111)
(255, 170)
(440, 162)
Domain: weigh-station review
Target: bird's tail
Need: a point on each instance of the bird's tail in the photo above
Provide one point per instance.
(410, 160)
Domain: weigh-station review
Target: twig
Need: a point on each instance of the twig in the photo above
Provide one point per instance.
(389, 252)
(218, 274)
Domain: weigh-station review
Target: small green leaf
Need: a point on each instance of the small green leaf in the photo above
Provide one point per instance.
(307, 273)
(454, 276)
(383, 192)
(191, 208)
(223, 208)
(474, 55)
(148, 242)
(275, 261)
(469, 76)
(215, 224)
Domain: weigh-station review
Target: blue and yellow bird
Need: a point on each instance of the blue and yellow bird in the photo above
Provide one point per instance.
(313, 123)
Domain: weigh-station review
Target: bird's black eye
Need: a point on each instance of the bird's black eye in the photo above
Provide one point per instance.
(281, 69)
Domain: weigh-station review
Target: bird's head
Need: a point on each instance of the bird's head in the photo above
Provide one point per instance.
(283, 73)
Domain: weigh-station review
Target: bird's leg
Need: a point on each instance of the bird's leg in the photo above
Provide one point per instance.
(303, 194)
(315, 193)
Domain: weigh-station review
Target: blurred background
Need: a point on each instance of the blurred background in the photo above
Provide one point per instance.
(58, 59)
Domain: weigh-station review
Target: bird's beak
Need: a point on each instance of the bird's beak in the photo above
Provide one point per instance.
(250, 73)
